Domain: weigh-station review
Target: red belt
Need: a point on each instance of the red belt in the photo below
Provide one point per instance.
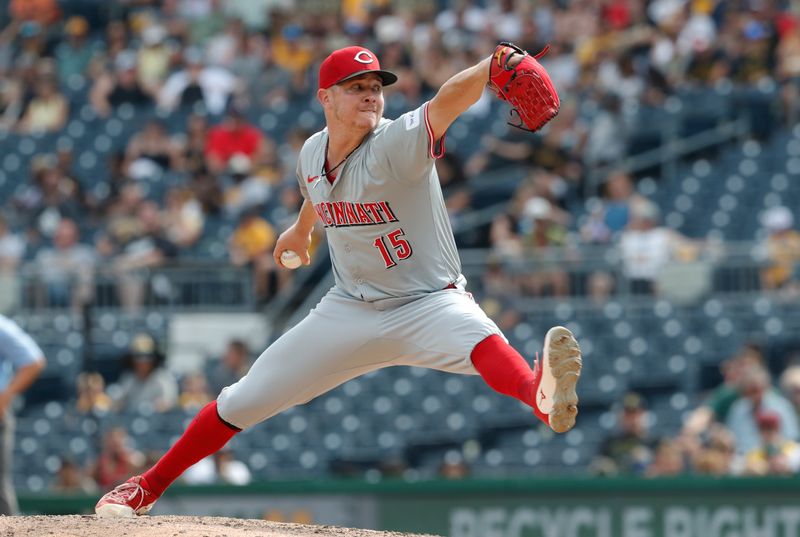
(451, 286)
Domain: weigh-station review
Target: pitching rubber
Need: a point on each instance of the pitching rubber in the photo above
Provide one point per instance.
(562, 360)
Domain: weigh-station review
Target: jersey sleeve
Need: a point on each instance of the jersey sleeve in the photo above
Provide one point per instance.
(406, 148)
(17, 346)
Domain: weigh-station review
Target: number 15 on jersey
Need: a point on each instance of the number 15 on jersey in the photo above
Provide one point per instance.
(401, 247)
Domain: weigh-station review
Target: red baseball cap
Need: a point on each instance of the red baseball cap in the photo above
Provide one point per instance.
(349, 62)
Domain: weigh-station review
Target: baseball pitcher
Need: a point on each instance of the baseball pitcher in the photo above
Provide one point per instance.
(399, 297)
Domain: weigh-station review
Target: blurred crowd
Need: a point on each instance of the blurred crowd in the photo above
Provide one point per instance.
(147, 385)
(209, 68)
(205, 71)
(748, 425)
(534, 251)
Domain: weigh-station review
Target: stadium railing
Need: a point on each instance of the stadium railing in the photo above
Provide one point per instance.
(190, 285)
(704, 268)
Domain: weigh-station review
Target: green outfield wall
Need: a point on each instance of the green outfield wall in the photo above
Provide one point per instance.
(680, 507)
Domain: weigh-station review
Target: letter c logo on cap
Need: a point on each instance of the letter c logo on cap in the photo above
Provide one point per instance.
(364, 57)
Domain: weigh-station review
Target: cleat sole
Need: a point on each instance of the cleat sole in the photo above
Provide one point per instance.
(565, 363)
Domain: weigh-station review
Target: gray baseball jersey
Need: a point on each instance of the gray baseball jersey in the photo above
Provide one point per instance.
(388, 230)
(393, 256)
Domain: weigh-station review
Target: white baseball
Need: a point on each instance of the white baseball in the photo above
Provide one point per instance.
(290, 260)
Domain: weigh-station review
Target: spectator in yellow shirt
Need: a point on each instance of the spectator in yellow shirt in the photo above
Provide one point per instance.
(290, 50)
(251, 245)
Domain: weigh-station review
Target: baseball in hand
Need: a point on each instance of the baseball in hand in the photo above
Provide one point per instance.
(290, 260)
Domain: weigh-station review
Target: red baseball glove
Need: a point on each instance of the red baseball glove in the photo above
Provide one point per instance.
(517, 77)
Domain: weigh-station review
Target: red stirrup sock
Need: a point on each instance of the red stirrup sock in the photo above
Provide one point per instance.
(504, 369)
(205, 435)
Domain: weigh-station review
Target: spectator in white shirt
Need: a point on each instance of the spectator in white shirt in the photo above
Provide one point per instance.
(66, 270)
(197, 82)
(646, 247)
(12, 248)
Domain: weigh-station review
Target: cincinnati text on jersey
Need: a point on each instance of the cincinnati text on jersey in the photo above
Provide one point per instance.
(350, 213)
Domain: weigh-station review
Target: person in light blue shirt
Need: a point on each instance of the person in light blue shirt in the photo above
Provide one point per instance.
(758, 395)
(21, 362)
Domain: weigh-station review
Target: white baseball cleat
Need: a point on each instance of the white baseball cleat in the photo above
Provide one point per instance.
(556, 401)
(126, 500)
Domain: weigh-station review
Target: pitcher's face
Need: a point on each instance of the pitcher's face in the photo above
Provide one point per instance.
(357, 103)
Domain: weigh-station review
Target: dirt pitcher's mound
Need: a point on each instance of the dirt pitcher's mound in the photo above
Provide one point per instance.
(169, 526)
